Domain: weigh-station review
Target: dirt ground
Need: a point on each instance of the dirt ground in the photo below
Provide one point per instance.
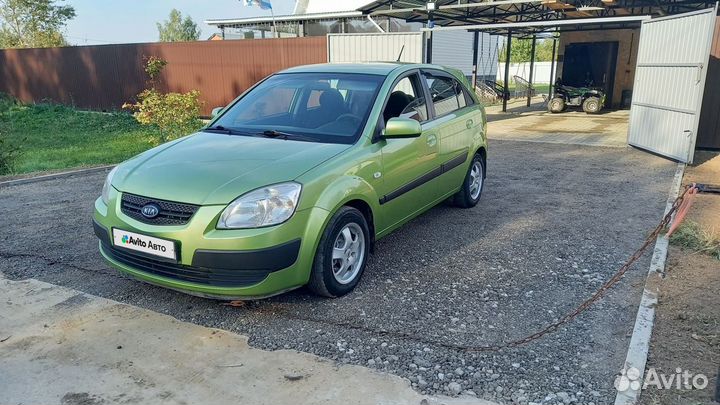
(687, 324)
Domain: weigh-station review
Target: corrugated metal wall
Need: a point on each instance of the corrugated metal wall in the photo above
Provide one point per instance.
(454, 49)
(380, 47)
(669, 82)
(709, 127)
(450, 48)
(104, 77)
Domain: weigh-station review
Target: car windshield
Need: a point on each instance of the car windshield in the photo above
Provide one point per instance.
(316, 107)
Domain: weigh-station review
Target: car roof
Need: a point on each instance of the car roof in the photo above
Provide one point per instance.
(373, 68)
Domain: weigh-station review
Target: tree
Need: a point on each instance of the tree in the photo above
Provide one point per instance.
(33, 23)
(520, 51)
(544, 50)
(175, 28)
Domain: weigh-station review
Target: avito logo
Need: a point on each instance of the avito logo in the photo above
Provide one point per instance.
(130, 240)
(133, 241)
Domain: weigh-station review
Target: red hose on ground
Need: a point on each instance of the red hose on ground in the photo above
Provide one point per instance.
(683, 209)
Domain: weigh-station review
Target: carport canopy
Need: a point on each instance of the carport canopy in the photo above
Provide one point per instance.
(676, 47)
(525, 18)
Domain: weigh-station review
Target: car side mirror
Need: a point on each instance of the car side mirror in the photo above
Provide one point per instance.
(401, 128)
(215, 111)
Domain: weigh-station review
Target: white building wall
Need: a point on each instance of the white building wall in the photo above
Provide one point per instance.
(327, 6)
(455, 49)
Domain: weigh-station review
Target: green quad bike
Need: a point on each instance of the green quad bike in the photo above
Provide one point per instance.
(591, 99)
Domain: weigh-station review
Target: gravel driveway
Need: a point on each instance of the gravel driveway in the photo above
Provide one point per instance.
(554, 222)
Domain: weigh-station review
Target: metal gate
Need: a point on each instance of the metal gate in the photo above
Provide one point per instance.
(669, 83)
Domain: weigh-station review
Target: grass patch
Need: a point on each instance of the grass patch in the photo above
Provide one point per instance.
(52, 137)
(691, 235)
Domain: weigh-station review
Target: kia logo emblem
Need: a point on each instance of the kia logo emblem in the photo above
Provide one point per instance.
(150, 211)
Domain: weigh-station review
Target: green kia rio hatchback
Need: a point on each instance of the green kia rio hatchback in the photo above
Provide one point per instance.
(293, 182)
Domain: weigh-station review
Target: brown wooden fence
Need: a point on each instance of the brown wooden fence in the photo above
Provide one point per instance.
(106, 76)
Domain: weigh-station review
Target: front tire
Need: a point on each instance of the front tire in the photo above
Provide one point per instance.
(472, 186)
(341, 255)
(592, 105)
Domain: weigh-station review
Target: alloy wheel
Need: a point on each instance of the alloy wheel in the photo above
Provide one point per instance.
(348, 253)
(476, 180)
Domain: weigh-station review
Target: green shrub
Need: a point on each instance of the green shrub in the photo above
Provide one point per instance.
(8, 155)
(154, 66)
(173, 114)
(7, 101)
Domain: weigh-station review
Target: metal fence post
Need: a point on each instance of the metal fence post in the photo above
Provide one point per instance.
(532, 66)
(506, 88)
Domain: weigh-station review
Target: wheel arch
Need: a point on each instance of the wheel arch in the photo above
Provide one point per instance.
(482, 151)
(367, 211)
(351, 191)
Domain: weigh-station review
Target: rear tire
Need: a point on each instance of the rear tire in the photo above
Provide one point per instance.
(472, 186)
(592, 105)
(556, 105)
(341, 254)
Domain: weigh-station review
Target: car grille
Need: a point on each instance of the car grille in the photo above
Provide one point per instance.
(199, 275)
(171, 213)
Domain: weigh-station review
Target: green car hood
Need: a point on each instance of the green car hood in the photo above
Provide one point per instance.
(212, 169)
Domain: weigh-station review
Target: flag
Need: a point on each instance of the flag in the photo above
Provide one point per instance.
(263, 4)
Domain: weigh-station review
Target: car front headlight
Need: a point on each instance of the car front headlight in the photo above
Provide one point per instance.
(265, 206)
(106, 187)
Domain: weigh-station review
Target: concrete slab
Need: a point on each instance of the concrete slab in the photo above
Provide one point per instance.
(63, 346)
(536, 124)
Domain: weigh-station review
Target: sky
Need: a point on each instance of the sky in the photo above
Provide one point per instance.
(126, 21)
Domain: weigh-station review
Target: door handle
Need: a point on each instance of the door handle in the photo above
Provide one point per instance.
(431, 140)
(469, 123)
(698, 78)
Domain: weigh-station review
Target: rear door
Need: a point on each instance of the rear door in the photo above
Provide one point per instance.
(669, 83)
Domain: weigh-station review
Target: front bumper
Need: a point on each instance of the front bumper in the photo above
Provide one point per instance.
(224, 264)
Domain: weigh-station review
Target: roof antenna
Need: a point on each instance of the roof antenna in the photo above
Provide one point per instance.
(400, 54)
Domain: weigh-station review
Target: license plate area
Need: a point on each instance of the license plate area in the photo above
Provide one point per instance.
(147, 245)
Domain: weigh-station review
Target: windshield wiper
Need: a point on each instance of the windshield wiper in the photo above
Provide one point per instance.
(223, 130)
(218, 128)
(271, 133)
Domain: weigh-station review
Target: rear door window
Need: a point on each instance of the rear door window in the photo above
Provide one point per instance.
(447, 93)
